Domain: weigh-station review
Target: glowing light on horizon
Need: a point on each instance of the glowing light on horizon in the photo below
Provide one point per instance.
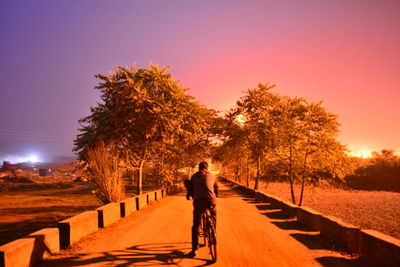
(364, 153)
(32, 158)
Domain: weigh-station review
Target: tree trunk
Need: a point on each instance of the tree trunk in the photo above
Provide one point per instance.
(248, 173)
(258, 171)
(140, 180)
(240, 173)
(303, 178)
(291, 175)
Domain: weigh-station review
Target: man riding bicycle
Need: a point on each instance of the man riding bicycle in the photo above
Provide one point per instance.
(203, 188)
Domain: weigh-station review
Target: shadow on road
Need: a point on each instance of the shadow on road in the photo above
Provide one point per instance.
(310, 238)
(342, 262)
(291, 225)
(144, 254)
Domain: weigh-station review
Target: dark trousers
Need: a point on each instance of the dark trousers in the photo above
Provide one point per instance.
(198, 209)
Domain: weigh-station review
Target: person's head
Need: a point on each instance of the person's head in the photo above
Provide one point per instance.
(203, 165)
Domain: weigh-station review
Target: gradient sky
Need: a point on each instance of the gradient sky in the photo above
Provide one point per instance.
(345, 53)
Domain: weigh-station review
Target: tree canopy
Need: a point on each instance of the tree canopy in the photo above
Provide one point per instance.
(283, 137)
(147, 115)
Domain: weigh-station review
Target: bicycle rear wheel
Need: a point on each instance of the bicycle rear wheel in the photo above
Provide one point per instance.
(212, 242)
(203, 228)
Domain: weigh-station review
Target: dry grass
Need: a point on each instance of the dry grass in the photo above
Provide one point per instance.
(26, 211)
(104, 170)
(377, 210)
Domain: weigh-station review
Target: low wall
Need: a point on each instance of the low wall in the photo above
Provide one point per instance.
(309, 218)
(108, 214)
(151, 197)
(379, 249)
(141, 201)
(158, 194)
(76, 227)
(373, 246)
(47, 242)
(128, 206)
(18, 253)
(31, 249)
(342, 233)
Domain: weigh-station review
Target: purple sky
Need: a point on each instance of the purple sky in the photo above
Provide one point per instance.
(345, 53)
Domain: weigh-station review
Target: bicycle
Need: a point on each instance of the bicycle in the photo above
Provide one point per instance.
(209, 233)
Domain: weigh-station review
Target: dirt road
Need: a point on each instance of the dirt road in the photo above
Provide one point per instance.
(249, 234)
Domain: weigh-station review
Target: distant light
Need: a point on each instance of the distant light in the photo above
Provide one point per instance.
(33, 158)
(365, 154)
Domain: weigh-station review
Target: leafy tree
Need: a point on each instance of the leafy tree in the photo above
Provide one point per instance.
(145, 113)
(233, 151)
(306, 142)
(284, 136)
(254, 110)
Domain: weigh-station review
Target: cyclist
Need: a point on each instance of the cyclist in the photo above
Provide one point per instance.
(203, 188)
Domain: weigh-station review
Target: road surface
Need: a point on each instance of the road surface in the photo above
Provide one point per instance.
(249, 234)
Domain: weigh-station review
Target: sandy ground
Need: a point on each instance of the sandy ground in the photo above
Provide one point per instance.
(377, 210)
(249, 234)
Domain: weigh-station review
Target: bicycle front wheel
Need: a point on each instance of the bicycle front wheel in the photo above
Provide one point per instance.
(212, 242)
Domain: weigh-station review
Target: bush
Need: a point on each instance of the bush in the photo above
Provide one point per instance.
(103, 169)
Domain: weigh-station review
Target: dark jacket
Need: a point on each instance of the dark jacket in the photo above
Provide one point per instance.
(202, 187)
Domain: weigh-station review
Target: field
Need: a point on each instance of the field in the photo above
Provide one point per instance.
(29, 202)
(377, 210)
(42, 205)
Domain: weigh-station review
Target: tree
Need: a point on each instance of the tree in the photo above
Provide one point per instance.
(143, 112)
(232, 150)
(306, 142)
(254, 109)
(284, 136)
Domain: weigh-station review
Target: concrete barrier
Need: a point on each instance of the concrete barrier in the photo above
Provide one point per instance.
(31, 249)
(128, 206)
(151, 197)
(109, 214)
(78, 226)
(163, 192)
(309, 218)
(158, 194)
(47, 241)
(141, 201)
(343, 234)
(379, 248)
(18, 253)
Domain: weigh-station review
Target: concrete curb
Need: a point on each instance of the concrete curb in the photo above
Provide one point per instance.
(309, 218)
(379, 248)
(108, 214)
(128, 206)
(342, 233)
(78, 226)
(18, 253)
